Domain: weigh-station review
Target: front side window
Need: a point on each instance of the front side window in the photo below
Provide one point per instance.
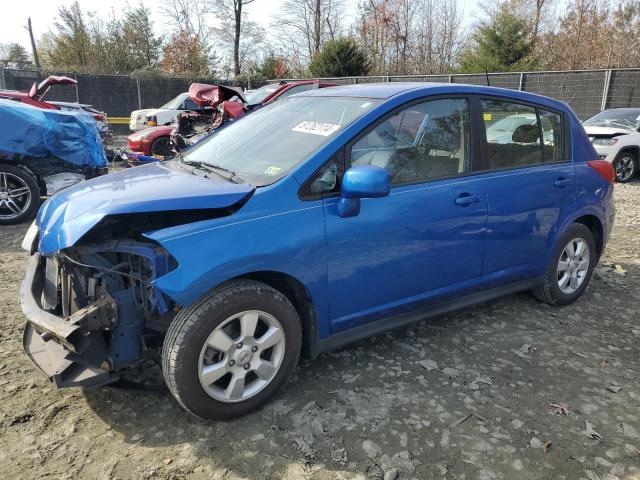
(424, 141)
(513, 135)
(262, 147)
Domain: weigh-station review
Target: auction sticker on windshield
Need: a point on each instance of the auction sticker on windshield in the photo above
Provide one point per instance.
(316, 128)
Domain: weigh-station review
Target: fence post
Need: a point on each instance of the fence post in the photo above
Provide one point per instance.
(450, 78)
(4, 83)
(387, 78)
(139, 95)
(521, 81)
(605, 90)
(75, 76)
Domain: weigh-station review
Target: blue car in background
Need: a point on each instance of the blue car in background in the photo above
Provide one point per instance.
(324, 218)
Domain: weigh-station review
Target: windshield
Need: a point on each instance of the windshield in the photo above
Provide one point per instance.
(266, 144)
(175, 103)
(509, 124)
(626, 118)
(259, 95)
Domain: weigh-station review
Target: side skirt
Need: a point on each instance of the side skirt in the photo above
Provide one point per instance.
(367, 330)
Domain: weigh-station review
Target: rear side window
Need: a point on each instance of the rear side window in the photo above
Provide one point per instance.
(513, 136)
(520, 135)
(296, 89)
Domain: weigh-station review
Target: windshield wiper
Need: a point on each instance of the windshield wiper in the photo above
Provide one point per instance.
(217, 169)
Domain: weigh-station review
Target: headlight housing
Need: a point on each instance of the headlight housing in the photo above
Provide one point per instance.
(605, 142)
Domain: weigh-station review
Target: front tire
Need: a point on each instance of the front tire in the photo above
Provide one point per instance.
(231, 351)
(570, 267)
(161, 146)
(19, 195)
(626, 167)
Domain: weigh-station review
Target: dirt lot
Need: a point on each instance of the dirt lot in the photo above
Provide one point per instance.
(371, 410)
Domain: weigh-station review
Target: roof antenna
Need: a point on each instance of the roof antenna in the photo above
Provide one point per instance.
(486, 72)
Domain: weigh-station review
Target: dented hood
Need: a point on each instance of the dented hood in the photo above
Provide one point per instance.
(157, 187)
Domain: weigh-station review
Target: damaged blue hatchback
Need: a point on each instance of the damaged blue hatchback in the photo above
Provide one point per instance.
(321, 219)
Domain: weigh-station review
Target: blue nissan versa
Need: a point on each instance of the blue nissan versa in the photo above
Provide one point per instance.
(321, 219)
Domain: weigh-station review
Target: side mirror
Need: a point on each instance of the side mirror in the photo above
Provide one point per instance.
(361, 181)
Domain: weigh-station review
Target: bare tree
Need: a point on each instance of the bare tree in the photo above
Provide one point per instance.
(231, 10)
(187, 16)
(410, 37)
(305, 25)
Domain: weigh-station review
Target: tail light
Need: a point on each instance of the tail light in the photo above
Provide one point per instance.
(99, 117)
(604, 168)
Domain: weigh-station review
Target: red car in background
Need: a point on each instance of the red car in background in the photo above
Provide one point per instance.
(156, 141)
(37, 92)
(35, 98)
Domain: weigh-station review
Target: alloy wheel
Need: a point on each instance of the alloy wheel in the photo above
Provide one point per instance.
(15, 196)
(241, 356)
(624, 168)
(573, 265)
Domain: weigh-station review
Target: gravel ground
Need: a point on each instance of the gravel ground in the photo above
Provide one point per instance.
(507, 389)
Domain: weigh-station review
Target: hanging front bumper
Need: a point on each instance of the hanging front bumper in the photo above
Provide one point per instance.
(70, 351)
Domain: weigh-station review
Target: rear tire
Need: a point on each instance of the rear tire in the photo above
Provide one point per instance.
(625, 166)
(214, 346)
(567, 275)
(19, 195)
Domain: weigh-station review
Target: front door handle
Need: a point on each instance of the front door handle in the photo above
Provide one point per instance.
(562, 182)
(465, 199)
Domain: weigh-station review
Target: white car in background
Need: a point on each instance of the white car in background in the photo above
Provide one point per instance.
(165, 115)
(615, 136)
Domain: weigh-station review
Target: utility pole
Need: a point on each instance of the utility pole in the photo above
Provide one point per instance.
(33, 45)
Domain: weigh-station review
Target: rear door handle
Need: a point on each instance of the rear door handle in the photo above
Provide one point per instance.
(562, 182)
(466, 199)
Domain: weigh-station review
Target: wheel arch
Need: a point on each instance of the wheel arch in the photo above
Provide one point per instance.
(300, 298)
(593, 223)
(38, 179)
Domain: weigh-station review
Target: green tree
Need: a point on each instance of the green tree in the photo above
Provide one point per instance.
(14, 55)
(501, 44)
(274, 66)
(71, 42)
(339, 58)
(186, 55)
(143, 46)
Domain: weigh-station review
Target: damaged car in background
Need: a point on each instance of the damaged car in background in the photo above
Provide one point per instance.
(213, 106)
(44, 151)
(36, 98)
(263, 241)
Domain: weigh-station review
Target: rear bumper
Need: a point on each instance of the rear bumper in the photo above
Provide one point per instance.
(67, 351)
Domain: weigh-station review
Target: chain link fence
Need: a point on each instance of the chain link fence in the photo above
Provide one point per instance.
(586, 91)
(117, 95)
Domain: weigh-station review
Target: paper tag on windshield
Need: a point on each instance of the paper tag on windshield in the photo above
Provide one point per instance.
(316, 128)
(272, 170)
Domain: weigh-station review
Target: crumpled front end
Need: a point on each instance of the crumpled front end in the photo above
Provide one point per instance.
(91, 309)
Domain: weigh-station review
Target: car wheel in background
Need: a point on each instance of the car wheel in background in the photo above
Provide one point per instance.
(161, 146)
(227, 354)
(570, 268)
(19, 195)
(626, 167)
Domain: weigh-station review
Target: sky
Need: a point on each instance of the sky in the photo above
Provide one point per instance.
(43, 13)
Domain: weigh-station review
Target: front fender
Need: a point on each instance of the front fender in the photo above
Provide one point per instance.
(291, 242)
